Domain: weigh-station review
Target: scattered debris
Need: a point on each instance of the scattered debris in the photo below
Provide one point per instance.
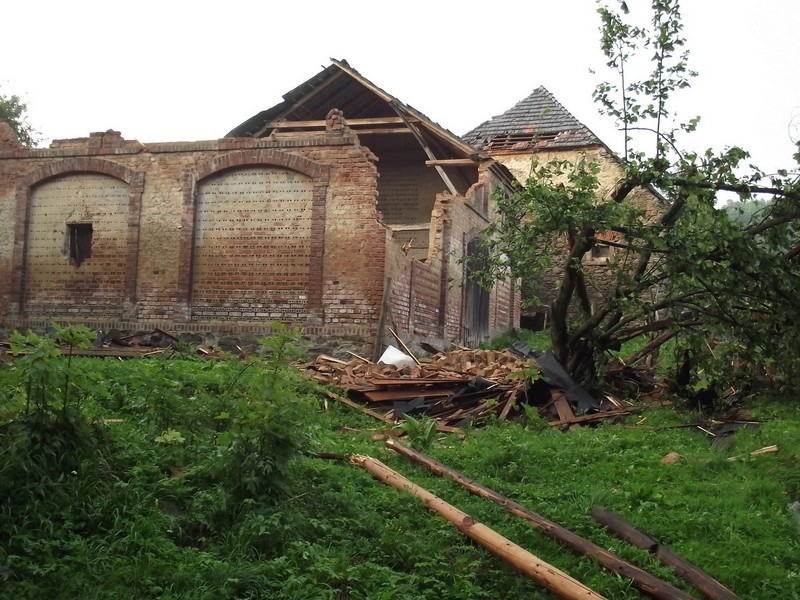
(766, 450)
(671, 458)
(464, 387)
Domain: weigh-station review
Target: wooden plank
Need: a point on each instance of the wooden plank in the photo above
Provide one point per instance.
(322, 123)
(416, 381)
(534, 567)
(562, 406)
(683, 568)
(451, 162)
(420, 227)
(599, 416)
(382, 131)
(367, 411)
(507, 409)
(644, 581)
(388, 395)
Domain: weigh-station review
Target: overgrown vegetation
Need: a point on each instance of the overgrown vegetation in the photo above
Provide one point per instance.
(181, 478)
(728, 286)
(14, 112)
(185, 478)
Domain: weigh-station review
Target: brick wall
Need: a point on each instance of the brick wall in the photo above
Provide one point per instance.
(426, 299)
(58, 208)
(228, 235)
(150, 262)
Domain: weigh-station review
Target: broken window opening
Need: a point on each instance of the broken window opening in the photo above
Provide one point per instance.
(79, 242)
(476, 298)
(601, 253)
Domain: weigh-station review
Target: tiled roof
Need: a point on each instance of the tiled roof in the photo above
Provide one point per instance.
(537, 122)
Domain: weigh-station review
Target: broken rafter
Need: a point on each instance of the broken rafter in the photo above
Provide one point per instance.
(451, 162)
(425, 147)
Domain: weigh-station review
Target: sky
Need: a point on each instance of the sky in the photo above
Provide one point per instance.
(175, 70)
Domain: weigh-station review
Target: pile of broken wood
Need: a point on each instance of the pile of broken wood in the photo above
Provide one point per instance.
(465, 387)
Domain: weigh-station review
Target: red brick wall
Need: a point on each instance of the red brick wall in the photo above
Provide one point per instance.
(334, 288)
(148, 274)
(426, 299)
(96, 287)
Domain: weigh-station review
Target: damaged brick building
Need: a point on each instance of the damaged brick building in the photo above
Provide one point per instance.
(340, 210)
(539, 128)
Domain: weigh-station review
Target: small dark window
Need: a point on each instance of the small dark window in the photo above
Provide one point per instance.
(79, 240)
(601, 252)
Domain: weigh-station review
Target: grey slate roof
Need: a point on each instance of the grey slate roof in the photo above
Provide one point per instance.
(537, 122)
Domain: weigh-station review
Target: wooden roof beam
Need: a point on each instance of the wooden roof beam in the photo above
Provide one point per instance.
(302, 101)
(421, 140)
(321, 123)
(451, 162)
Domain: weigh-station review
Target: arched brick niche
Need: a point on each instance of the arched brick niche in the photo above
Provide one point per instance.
(253, 237)
(76, 240)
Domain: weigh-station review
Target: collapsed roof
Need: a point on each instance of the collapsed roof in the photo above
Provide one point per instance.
(371, 113)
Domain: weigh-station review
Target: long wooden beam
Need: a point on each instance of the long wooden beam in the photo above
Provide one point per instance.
(451, 162)
(644, 581)
(321, 122)
(710, 587)
(383, 131)
(534, 567)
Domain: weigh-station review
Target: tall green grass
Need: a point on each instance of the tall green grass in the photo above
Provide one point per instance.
(194, 479)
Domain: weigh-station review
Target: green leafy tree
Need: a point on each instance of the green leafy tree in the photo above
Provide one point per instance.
(14, 112)
(729, 288)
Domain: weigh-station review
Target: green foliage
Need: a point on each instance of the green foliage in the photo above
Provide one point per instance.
(421, 432)
(729, 286)
(157, 506)
(536, 340)
(13, 111)
(153, 462)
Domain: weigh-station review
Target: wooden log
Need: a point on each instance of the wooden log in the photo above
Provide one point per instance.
(543, 573)
(644, 581)
(710, 587)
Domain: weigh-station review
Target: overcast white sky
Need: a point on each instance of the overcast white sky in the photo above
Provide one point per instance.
(173, 70)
